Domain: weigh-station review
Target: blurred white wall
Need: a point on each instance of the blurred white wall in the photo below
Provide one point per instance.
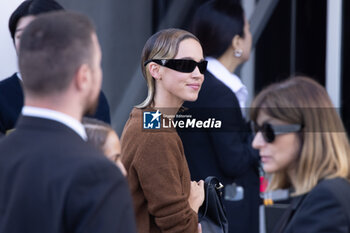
(8, 57)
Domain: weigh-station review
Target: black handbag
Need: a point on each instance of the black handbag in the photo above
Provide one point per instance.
(212, 214)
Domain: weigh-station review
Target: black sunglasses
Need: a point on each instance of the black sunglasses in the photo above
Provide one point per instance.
(269, 132)
(181, 65)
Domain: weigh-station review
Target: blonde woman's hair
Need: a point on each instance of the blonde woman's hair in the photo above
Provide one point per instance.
(162, 45)
(324, 146)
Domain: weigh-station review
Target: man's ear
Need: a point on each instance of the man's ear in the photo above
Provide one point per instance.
(83, 77)
(155, 71)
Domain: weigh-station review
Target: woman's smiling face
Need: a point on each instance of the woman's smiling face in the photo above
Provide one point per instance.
(177, 87)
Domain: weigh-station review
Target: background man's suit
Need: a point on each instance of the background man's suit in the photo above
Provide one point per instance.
(228, 154)
(11, 103)
(51, 181)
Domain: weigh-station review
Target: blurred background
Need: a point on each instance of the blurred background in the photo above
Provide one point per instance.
(310, 37)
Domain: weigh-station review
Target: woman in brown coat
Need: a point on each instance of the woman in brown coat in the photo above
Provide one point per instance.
(165, 199)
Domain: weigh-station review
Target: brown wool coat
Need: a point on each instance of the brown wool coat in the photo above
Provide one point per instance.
(158, 177)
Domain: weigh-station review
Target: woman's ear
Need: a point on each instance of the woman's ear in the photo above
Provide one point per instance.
(154, 70)
(236, 42)
(236, 45)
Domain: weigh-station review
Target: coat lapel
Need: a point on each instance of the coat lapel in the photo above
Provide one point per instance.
(288, 214)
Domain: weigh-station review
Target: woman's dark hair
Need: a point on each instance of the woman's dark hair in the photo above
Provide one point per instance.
(31, 7)
(215, 23)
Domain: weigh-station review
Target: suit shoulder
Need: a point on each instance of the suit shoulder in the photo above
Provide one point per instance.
(11, 90)
(65, 147)
(321, 204)
(332, 184)
(330, 193)
(84, 160)
(10, 81)
(338, 188)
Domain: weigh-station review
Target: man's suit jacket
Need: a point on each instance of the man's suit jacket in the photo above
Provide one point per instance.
(51, 181)
(325, 209)
(11, 103)
(225, 153)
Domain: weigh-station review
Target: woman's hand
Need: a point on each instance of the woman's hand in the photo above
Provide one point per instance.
(196, 197)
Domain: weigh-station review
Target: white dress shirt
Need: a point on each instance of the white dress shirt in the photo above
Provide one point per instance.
(232, 81)
(19, 76)
(45, 113)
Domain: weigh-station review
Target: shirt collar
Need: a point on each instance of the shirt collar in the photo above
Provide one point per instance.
(19, 76)
(65, 119)
(231, 80)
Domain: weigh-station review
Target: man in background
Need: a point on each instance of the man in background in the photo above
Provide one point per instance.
(11, 93)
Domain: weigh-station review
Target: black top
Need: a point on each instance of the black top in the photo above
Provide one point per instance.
(225, 153)
(326, 209)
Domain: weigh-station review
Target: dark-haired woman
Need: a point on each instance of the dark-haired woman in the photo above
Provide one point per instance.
(223, 31)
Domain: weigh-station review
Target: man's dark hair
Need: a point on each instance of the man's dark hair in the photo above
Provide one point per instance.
(215, 23)
(52, 49)
(31, 7)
